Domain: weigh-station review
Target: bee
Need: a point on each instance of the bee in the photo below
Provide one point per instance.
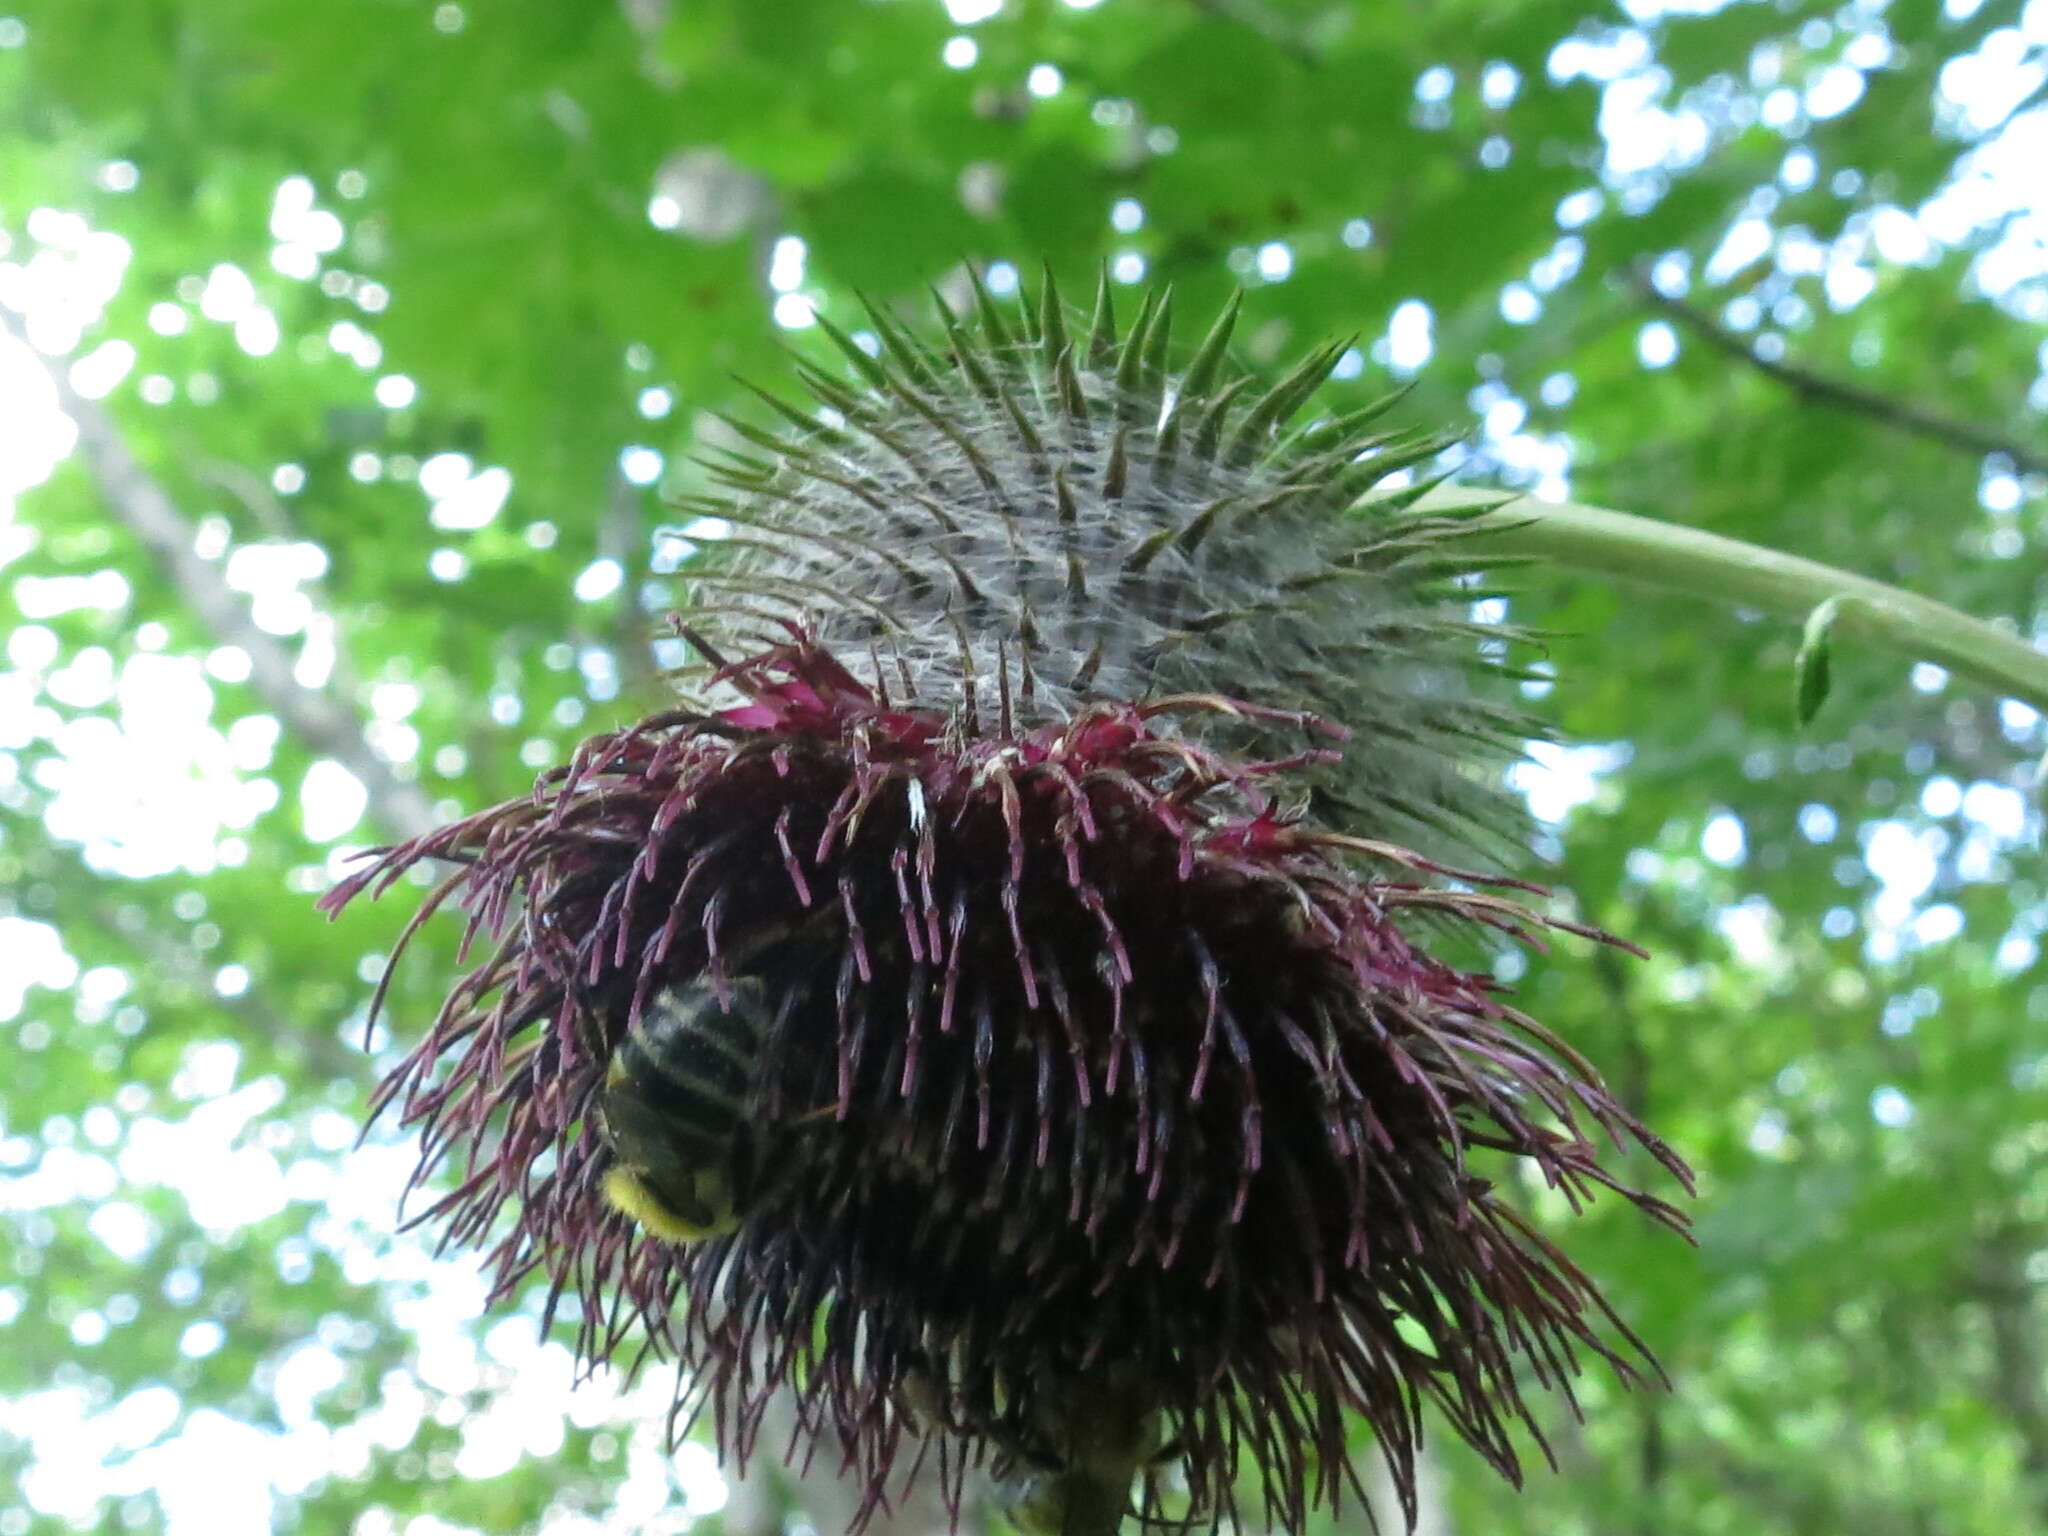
(681, 1109)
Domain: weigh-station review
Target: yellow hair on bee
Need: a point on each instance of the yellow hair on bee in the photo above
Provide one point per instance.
(629, 1194)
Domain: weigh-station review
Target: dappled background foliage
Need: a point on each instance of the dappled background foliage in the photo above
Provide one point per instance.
(370, 336)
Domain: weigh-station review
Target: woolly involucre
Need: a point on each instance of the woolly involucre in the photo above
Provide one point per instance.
(1058, 513)
(1059, 718)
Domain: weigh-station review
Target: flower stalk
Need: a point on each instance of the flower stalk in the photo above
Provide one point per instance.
(1676, 558)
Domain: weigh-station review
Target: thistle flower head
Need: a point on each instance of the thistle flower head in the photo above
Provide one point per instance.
(1038, 794)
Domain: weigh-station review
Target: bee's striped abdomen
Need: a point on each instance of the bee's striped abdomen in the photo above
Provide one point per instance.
(679, 1104)
(693, 1060)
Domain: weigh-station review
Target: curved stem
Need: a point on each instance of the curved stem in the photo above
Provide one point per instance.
(1702, 564)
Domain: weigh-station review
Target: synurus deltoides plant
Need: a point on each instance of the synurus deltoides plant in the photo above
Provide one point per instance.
(1001, 1001)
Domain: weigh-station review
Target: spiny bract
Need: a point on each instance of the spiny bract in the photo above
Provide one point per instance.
(1052, 770)
(1054, 509)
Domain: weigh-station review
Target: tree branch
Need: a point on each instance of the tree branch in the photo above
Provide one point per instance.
(139, 502)
(172, 961)
(621, 537)
(1997, 1277)
(1964, 436)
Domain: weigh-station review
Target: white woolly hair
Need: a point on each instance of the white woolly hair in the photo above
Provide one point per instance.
(1028, 520)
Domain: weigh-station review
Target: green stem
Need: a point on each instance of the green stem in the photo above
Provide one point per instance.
(1092, 1500)
(1110, 1432)
(1702, 564)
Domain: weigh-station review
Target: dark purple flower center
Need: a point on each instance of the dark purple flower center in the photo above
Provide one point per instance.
(1083, 1058)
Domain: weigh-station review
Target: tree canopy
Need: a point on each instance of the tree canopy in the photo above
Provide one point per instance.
(351, 350)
